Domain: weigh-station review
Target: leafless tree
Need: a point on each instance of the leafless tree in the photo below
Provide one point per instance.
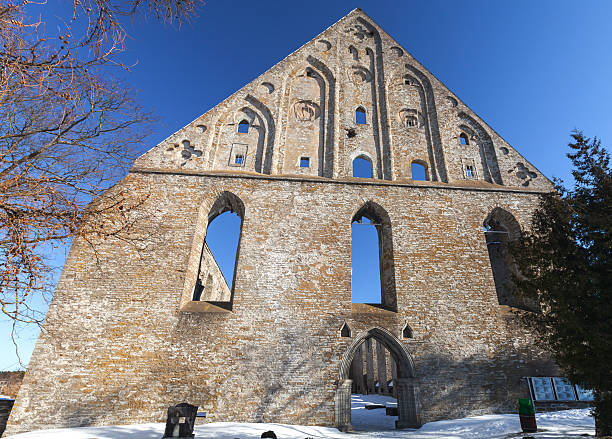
(68, 131)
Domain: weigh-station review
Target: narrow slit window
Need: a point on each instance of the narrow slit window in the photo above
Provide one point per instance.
(407, 332)
(345, 331)
(360, 116)
(470, 172)
(305, 162)
(243, 127)
(463, 139)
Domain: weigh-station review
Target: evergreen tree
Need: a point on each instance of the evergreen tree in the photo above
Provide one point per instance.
(565, 261)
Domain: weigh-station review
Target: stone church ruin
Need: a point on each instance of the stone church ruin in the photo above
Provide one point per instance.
(132, 331)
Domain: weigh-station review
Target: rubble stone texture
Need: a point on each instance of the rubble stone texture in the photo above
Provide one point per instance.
(123, 339)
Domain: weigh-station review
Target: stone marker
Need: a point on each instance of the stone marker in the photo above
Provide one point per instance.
(180, 422)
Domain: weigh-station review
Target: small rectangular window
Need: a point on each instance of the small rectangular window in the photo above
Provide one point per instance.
(239, 160)
(470, 172)
(360, 116)
(304, 162)
(243, 127)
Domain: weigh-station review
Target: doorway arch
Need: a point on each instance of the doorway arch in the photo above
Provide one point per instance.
(407, 401)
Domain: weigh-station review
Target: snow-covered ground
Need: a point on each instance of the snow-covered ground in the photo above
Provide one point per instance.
(369, 424)
(371, 420)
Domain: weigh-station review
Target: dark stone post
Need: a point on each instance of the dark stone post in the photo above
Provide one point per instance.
(181, 421)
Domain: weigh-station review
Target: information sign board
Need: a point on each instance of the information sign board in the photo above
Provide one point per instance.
(542, 389)
(564, 389)
(584, 394)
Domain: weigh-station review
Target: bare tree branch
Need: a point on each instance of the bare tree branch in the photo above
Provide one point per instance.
(68, 132)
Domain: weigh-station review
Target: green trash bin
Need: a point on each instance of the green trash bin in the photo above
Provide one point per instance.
(527, 415)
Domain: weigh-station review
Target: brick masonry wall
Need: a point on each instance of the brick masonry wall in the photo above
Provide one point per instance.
(117, 349)
(305, 106)
(122, 341)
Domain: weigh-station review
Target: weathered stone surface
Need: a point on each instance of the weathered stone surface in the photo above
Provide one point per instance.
(123, 338)
(10, 383)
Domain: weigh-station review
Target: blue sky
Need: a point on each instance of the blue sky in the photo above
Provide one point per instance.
(533, 70)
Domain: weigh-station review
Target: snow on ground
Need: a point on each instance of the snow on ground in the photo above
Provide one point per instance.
(369, 424)
(371, 420)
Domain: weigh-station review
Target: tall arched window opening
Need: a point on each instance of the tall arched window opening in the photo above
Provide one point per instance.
(220, 250)
(362, 167)
(463, 139)
(360, 116)
(365, 261)
(501, 228)
(372, 266)
(222, 238)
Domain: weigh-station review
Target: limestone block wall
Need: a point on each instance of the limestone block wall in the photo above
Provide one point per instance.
(124, 339)
(305, 105)
(117, 349)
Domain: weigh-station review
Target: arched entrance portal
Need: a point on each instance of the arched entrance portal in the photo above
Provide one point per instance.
(407, 403)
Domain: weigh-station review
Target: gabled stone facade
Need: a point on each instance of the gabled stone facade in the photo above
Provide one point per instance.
(124, 337)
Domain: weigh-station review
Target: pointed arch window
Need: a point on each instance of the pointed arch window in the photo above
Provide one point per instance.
(345, 331)
(360, 116)
(220, 250)
(500, 229)
(243, 126)
(407, 331)
(373, 270)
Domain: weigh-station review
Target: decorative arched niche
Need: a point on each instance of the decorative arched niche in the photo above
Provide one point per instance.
(244, 138)
(500, 229)
(414, 125)
(308, 125)
(472, 135)
(406, 389)
(379, 217)
(245, 133)
(205, 288)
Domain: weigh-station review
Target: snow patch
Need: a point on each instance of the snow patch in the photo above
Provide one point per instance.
(363, 419)
(563, 424)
